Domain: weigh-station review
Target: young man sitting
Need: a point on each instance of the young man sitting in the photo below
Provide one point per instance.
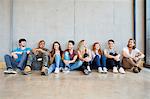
(38, 59)
(70, 58)
(113, 58)
(132, 57)
(16, 61)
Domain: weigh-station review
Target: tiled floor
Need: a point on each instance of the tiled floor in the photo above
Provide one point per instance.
(75, 85)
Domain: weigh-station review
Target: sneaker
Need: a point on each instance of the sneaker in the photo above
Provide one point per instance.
(10, 71)
(56, 70)
(139, 69)
(135, 70)
(43, 70)
(27, 70)
(88, 68)
(66, 70)
(45, 73)
(115, 70)
(100, 70)
(61, 69)
(121, 70)
(86, 72)
(105, 70)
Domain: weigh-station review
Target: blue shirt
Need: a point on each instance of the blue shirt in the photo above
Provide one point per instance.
(22, 51)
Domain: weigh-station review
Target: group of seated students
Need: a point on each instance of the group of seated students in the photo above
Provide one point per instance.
(23, 60)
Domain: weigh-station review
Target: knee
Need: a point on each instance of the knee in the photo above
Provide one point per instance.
(110, 61)
(103, 57)
(57, 56)
(45, 56)
(97, 57)
(6, 56)
(86, 55)
(80, 63)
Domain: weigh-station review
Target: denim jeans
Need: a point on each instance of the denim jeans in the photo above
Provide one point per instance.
(72, 66)
(57, 63)
(12, 64)
(85, 64)
(99, 61)
(33, 62)
(112, 63)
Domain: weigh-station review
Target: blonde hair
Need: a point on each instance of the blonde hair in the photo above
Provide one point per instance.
(81, 46)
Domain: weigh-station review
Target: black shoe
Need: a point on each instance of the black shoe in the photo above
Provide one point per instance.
(139, 69)
(136, 70)
(86, 72)
(45, 72)
(25, 73)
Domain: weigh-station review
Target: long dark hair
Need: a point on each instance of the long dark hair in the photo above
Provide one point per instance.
(40, 42)
(99, 50)
(131, 39)
(53, 50)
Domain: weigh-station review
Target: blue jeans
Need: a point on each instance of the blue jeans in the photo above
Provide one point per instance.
(12, 64)
(72, 66)
(57, 63)
(99, 61)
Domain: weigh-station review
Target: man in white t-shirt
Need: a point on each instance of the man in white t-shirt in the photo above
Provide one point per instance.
(132, 57)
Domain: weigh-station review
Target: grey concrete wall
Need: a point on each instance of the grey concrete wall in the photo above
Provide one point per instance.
(44, 19)
(92, 20)
(140, 24)
(100, 20)
(4, 27)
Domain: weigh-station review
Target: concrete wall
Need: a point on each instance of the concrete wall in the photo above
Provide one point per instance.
(4, 27)
(43, 19)
(140, 24)
(92, 20)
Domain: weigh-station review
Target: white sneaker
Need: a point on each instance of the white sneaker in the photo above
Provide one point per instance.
(88, 68)
(56, 70)
(100, 70)
(10, 71)
(115, 70)
(66, 70)
(121, 70)
(105, 70)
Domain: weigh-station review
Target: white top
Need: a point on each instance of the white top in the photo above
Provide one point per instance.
(94, 54)
(133, 53)
(108, 51)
